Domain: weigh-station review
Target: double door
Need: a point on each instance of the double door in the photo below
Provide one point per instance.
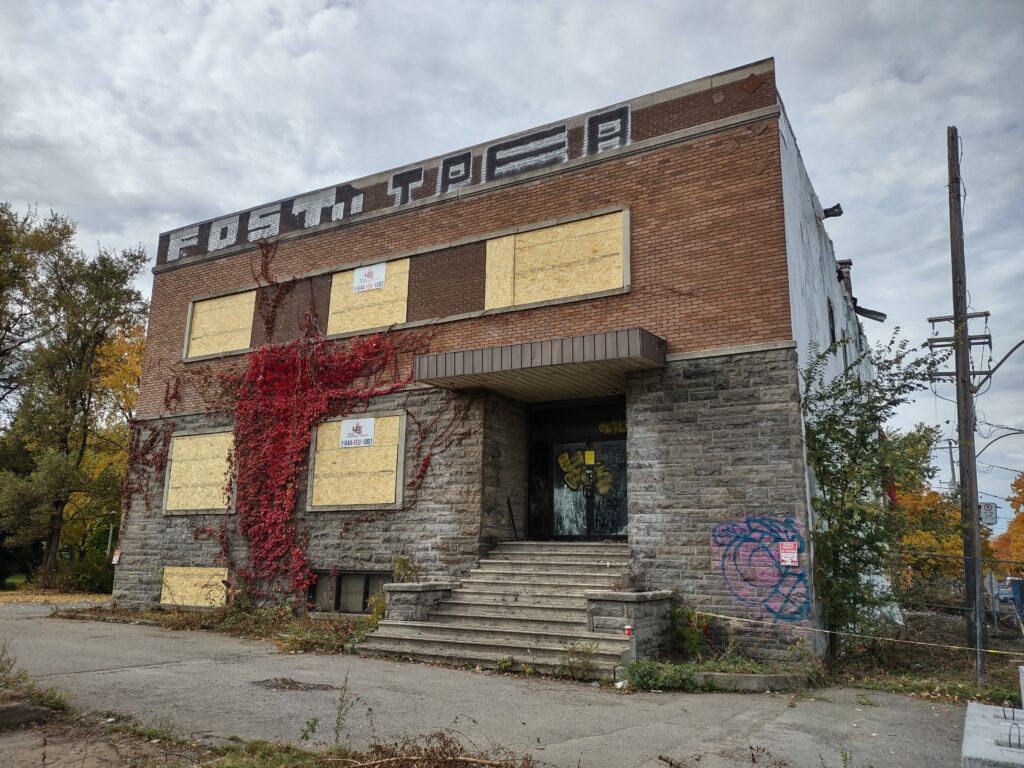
(578, 473)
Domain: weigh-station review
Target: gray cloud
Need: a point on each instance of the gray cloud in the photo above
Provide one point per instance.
(135, 118)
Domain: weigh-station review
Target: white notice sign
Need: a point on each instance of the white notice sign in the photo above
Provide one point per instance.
(357, 433)
(369, 278)
(788, 553)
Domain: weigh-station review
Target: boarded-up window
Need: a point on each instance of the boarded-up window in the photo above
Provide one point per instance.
(357, 476)
(197, 474)
(193, 587)
(557, 262)
(353, 310)
(221, 325)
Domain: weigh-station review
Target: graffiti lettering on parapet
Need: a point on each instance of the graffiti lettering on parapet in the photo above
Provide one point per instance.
(597, 132)
(753, 571)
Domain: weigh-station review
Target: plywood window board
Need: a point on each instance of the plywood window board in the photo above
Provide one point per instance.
(219, 325)
(367, 477)
(197, 473)
(193, 587)
(351, 311)
(573, 259)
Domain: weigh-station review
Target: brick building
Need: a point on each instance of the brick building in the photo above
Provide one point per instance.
(616, 307)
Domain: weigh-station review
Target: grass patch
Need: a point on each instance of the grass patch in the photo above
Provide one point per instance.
(278, 624)
(650, 675)
(16, 683)
(937, 674)
(267, 754)
(14, 581)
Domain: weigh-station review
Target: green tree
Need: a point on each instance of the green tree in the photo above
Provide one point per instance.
(80, 305)
(22, 238)
(854, 463)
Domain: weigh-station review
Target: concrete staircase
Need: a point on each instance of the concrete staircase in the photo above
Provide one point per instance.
(524, 601)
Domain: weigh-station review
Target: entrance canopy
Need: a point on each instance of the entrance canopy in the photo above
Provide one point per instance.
(569, 367)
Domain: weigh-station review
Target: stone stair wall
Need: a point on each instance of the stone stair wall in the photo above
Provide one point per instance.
(525, 601)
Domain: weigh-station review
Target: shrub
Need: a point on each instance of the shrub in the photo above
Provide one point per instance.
(643, 674)
(576, 661)
(688, 633)
(402, 571)
(650, 675)
(93, 573)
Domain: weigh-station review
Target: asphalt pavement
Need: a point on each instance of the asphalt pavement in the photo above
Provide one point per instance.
(214, 688)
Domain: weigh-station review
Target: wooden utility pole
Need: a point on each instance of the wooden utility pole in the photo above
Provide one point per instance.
(969, 512)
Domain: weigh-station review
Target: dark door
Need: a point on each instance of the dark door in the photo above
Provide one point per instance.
(578, 472)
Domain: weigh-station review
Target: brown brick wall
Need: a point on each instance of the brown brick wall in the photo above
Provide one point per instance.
(447, 282)
(708, 256)
(704, 107)
(291, 310)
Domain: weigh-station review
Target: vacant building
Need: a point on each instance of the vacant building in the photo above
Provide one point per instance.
(596, 331)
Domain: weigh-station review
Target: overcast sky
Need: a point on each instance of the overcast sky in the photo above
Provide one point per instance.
(139, 117)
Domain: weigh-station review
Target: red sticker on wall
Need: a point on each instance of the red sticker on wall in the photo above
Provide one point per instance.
(789, 553)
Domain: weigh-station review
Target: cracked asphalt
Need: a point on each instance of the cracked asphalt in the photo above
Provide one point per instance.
(207, 686)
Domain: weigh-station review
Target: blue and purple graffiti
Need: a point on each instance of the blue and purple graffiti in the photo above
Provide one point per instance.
(752, 568)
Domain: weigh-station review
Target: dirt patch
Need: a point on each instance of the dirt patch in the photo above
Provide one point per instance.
(289, 684)
(42, 597)
(92, 741)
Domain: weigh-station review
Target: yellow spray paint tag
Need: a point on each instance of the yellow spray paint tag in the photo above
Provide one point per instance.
(589, 458)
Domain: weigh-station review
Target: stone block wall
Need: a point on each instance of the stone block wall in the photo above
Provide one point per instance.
(645, 613)
(414, 602)
(504, 469)
(717, 482)
(151, 539)
(438, 529)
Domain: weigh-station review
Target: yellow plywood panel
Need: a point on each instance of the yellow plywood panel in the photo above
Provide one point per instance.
(223, 324)
(582, 227)
(352, 311)
(354, 476)
(500, 272)
(569, 259)
(193, 587)
(198, 472)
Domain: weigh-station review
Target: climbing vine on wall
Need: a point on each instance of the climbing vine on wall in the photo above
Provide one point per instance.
(284, 392)
(276, 400)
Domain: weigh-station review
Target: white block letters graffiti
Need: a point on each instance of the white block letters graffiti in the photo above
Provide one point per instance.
(576, 139)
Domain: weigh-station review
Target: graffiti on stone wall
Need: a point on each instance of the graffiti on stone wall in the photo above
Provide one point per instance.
(753, 570)
(597, 132)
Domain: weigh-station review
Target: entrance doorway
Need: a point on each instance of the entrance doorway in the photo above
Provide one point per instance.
(578, 471)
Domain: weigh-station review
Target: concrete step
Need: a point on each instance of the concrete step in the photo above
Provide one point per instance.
(543, 611)
(500, 637)
(603, 667)
(520, 592)
(482, 620)
(560, 547)
(488, 594)
(552, 567)
(553, 582)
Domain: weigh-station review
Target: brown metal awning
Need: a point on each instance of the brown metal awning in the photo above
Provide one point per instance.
(569, 367)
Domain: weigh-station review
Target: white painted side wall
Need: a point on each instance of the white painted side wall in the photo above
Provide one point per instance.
(812, 263)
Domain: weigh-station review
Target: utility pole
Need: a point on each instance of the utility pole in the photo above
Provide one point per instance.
(952, 466)
(969, 512)
(961, 342)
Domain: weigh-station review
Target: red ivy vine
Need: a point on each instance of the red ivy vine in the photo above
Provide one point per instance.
(285, 390)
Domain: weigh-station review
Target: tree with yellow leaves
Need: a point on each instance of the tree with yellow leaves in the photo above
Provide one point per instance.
(69, 392)
(1009, 545)
(931, 540)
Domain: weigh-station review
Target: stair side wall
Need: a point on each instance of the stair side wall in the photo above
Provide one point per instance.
(505, 443)
(717, 491)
